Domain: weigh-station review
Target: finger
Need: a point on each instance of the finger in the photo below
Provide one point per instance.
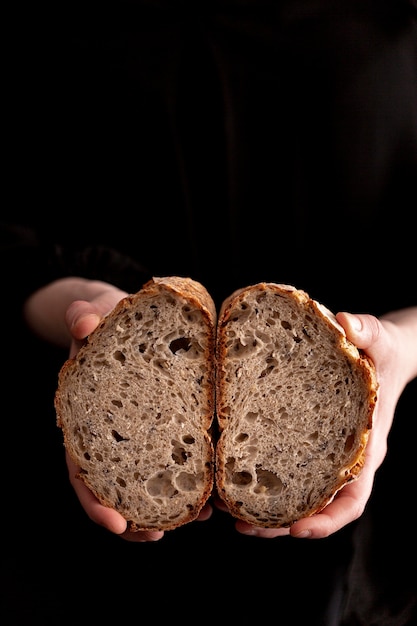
(264, 533)
(362, 329)
(219, 504)
(104, 516)
(205, 513)
(82, 318)
(142, 536)
(347, 506)
(111, 519)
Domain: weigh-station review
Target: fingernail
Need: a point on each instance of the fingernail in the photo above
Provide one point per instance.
(355, 322)
(303, 534)
(252, 532)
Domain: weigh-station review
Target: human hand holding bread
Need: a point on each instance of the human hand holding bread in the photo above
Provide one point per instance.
(380, 339)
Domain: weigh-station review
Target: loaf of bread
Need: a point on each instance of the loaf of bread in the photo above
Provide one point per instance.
(294, 403)
(136, 405)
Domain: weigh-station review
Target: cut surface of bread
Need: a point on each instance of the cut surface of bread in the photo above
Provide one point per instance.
(136, 405)
(294, 404)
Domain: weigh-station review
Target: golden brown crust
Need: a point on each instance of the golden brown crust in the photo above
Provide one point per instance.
(188, 288)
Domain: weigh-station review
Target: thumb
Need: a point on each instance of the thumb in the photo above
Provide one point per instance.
(361, 329)
(83, 316)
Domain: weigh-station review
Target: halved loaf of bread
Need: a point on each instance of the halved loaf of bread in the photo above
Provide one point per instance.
(136, 405)
(294, 403)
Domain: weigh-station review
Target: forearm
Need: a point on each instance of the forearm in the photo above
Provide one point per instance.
(44, 311)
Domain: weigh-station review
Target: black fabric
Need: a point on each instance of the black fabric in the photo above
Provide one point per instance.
(232, 141)
(238, 141)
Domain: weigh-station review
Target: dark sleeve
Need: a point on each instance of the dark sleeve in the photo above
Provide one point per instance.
(29, 263)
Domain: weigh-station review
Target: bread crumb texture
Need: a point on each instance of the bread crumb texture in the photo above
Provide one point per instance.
(136, 407)
(294, 404)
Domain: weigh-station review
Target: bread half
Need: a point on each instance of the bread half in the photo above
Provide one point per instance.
(136, 405)
(294, 403)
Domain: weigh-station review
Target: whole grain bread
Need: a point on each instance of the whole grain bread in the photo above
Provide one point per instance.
(136, 405)
(294, 403)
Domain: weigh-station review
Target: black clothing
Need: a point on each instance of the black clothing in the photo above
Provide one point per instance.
(238, 140)
(232, 141)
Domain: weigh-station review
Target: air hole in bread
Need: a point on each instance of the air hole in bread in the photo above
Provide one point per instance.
(163, 365)
(241, 347)
(179, 454)
(306, 334)
(251, 453)
(123, 339)
(238, 372)
(120, 481)
(119, 356)
(182, 343)
(350, 441)
(271, 365)
(190, 315)
(117, 403)
(241, 479)
(160, 485)
(100, 360)
(117, 436)
(187, 482)
(268, 483)
(241, 314)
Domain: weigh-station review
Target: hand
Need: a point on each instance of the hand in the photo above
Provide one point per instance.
(391, 343)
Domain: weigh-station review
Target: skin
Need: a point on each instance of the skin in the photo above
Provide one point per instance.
(66, 311)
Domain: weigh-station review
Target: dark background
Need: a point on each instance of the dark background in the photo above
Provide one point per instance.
(233, 142)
